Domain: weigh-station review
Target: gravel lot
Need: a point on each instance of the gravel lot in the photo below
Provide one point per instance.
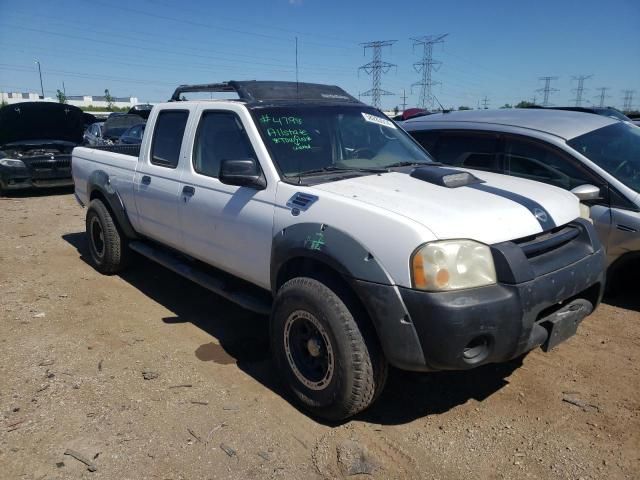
(146, 375)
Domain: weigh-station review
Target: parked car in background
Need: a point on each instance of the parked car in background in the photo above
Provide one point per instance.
(301, 203)
(133, 135)
(116, 125)
(596, 157)
(93, 134)
(36, 139)
(604, 111)
(143, 110)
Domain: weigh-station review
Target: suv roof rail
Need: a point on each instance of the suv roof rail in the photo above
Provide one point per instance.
(259, 91)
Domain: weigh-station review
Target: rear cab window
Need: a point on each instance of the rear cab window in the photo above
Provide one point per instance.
(167, 137)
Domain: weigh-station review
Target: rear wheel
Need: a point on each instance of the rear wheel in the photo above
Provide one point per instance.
(107, 246)
(328, 356)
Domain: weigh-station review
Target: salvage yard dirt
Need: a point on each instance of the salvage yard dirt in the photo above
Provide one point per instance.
(146, 375)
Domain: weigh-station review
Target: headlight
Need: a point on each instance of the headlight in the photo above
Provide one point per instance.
(452, 265)
(11, 162)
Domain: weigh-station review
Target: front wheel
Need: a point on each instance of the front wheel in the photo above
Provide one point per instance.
(332, 363)
(107, 245)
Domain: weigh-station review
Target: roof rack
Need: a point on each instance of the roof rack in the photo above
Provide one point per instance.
(260, 91)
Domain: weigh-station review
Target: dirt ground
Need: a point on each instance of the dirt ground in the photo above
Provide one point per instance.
(147, 375)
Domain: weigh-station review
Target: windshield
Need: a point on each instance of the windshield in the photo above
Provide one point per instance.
(616, 149)
(316, 138)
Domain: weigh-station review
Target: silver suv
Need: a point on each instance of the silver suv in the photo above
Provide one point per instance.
(572, 150)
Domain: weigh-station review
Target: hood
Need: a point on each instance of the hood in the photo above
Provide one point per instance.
(500, 209)
(27, 122)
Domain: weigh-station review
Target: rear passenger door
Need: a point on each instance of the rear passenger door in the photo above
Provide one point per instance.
(157, 180)
(227, 226)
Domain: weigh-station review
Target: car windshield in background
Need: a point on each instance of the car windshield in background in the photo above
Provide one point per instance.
(616, 149)
(333, 138)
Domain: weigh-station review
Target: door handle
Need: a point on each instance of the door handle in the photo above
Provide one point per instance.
(188, 190)
(146, 180)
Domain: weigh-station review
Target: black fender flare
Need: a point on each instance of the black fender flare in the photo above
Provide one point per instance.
(366, 276)
(99, 181)
(328, 245)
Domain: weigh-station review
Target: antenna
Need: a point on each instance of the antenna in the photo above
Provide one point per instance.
(297, 67)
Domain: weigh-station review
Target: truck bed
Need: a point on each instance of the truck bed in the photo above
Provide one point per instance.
(132, 150)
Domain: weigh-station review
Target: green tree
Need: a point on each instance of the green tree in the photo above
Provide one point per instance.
(109, 99)
(463, 107)
(525, 104)
(62, 98)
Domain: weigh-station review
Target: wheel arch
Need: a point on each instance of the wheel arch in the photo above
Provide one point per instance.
(99, 187)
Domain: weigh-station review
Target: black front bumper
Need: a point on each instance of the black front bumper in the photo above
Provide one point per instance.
(463, 329)
(42, 172)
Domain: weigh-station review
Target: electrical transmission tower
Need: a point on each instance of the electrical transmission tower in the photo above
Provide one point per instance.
(602, 95)
(376, 67)
(547, 90)
(426, 66)
(628, 100)
(580, 90)
(404, 100)
(485, 102)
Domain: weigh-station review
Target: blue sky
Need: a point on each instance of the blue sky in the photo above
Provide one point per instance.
(496, 49)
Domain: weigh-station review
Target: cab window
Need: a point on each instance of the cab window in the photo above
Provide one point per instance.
(220, 136)
(167, 137)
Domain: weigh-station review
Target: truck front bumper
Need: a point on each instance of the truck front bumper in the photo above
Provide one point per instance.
(458, 330)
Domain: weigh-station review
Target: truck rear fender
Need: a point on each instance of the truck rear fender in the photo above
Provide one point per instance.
(99, 186)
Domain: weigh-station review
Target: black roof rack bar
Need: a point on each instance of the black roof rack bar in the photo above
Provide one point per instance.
(204, 87)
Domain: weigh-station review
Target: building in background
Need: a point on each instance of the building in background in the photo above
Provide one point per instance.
(76, 100)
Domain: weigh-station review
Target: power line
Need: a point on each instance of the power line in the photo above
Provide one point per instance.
(376, 67)
(426, 66)
(602, 95)
(580, 90)
(628, 100)
(547, 90)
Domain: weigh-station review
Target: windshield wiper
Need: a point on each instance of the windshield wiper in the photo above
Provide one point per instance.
(331, 168)
(413, 164)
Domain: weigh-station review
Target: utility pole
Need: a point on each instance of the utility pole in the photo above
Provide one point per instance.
(404, 100)
(426, 66)
(628, 100)
(602, 95)
(547, 90)
(485, 102)
(376, 67)
(580, 90)
(40, 73)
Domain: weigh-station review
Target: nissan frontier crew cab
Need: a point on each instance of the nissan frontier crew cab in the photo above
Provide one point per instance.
(299, 202)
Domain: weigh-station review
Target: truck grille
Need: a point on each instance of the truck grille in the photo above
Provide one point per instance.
(545, 242)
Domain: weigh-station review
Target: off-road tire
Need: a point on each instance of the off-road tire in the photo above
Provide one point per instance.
(360, 369)
(110, 253)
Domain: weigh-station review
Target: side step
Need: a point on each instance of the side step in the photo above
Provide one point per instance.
(237, 291)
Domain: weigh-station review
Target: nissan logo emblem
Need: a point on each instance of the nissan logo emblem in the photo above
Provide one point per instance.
(540, 214)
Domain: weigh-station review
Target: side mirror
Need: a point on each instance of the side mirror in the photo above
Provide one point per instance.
(586, 192)
(243, 173)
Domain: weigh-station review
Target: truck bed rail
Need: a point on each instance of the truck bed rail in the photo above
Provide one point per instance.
(132, 150)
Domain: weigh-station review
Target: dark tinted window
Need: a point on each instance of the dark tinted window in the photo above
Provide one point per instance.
(167, 137)
(532, 160)
(220, 136)
(426, 138)
(470, 150)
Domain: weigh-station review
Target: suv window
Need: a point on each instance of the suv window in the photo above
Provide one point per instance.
(470, 150)
(426, 138)
(532, 160)
(167, 137)
(220, 136)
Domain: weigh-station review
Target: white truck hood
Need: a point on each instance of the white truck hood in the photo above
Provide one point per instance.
(464, 212)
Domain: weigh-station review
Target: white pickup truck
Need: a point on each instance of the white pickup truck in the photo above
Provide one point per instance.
(299, 202)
